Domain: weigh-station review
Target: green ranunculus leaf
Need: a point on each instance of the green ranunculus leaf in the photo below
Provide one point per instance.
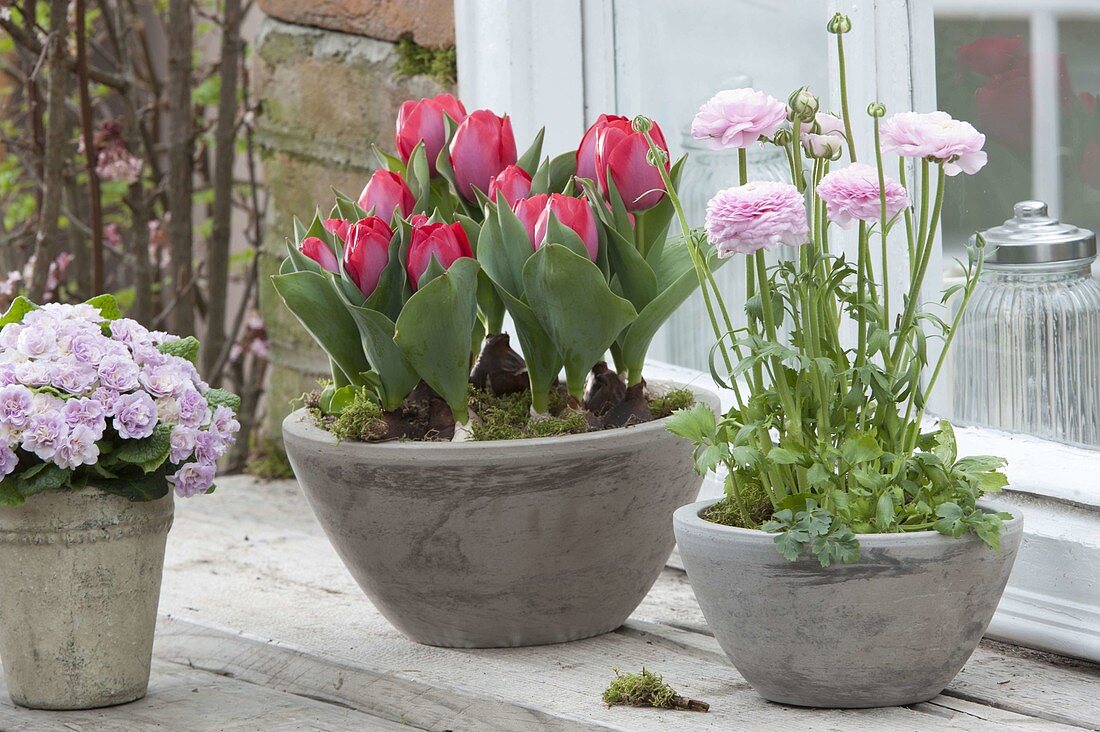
(530, 159)
(186, 348)
(396, 374)
(696, 424)
(435, 330)
(107, 305)
(320, 310)
(576, 308)
(18, 309)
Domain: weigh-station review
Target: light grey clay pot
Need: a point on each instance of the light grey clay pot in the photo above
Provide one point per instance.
(79, 584)
(502, 543)
(891, 629)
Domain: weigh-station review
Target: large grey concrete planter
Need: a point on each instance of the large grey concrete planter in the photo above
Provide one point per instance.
(503, 543)
(79, 585)
(891, 629)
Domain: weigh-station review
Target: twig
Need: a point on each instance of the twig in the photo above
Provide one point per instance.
(32, 44)
(90, 154)
(181, 145)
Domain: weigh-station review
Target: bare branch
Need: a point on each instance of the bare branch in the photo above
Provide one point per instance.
(181, 144)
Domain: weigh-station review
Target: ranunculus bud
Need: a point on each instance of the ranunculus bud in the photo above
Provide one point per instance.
(385, 192)
(586, 152)
(824, 138)
(876, 109)
(573, 213)
(803, 105)
(366, 252)
(444, 242)
(320, 253)
(528, 211)
(513, 183)
(483, 146)
(337, 227)
(641, 123)
(422, 120)
(839, 24)
(624, 154)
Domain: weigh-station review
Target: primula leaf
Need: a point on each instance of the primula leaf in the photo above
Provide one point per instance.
(577, 309)
(49, 478)
(19, 307)
(148, 453)
(9, 492)
(223, 398)
(185, 348)
(435, 329)
(321, 312)
(146, 487)
(107, 305)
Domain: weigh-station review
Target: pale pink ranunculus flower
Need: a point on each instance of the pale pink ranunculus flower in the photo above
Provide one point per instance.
(824, 138)
(935, 136)
(736, 118)
(757, 215)
(852, 194)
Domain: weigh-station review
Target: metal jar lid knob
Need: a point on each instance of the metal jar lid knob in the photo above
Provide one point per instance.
(1031, 236)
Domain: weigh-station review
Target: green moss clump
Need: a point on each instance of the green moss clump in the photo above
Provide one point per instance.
(646, 689)
(509, 417)
(728, 512)
(665, 404)
(413, 59)
(268, 461)
(361, 420)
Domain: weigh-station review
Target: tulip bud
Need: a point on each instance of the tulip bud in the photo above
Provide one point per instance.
(839, 24)
(422, 121)
(320, 253)
(586, 151)
(641, 124)
(513, 183)
(624, 155)
(876, 109)
(528, 211)
(366, 252)
(337, 227)
(803, 105)
(385, 193)
(573, 213)
(443, 242)
(482, 146)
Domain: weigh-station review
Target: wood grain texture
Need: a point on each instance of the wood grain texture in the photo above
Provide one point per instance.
(255, 597)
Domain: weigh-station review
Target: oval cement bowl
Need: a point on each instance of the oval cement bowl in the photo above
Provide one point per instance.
(891, 629)
(501, 543)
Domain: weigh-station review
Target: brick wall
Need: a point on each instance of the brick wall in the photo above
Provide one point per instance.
(324, 72)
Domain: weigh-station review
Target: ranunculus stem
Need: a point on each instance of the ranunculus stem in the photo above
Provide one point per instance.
(883, 234)
(844, 97)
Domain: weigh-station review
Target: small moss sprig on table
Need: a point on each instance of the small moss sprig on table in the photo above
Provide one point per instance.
(648, 689)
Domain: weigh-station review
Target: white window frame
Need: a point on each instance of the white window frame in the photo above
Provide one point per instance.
(565, 77)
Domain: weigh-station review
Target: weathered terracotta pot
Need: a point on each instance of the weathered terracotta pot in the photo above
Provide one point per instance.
(503, 543)
(79, 585)
(891, 629)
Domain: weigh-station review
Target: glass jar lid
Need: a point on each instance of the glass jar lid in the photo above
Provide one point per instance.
(1033, 237)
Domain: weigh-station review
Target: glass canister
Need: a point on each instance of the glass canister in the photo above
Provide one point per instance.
(1028, 348)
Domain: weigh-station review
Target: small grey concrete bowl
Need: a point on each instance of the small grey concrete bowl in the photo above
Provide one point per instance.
(500, 543)
(891, 629)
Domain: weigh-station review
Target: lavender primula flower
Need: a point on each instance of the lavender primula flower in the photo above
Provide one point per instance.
(78, 448)
(182, 443)
(192, 479)
(9, 336)
(193, 409)
(35, 373)
(161, 380)
(87, 412)
(88, 348)
(129, 332)
(119, 373)
(107, 399)
(135, 416)
(209, 446)
(74, 377)
(38, 342)
(225, 423)
(16, 406)
(8, 461)
(44, 434)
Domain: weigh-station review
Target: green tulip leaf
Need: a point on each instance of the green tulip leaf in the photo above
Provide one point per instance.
(419, 177)
(530, 159)
(320, 310)
(562, 169)
(388, 161)
(559, 233)
(389, 296)
(395, 374)
(435, 331)
(636, 277)
(489, 303)
(347, 208)
(503, 249)
(302, 263)
(575, 306)
(542, 357)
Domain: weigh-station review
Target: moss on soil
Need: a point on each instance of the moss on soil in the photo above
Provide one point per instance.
(665, 404)
(727, 512)
(440, 64)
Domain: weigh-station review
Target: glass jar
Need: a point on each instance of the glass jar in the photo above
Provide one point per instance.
(1027, 357)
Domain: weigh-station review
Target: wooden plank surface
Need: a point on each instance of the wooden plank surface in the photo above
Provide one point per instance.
(255, 598)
